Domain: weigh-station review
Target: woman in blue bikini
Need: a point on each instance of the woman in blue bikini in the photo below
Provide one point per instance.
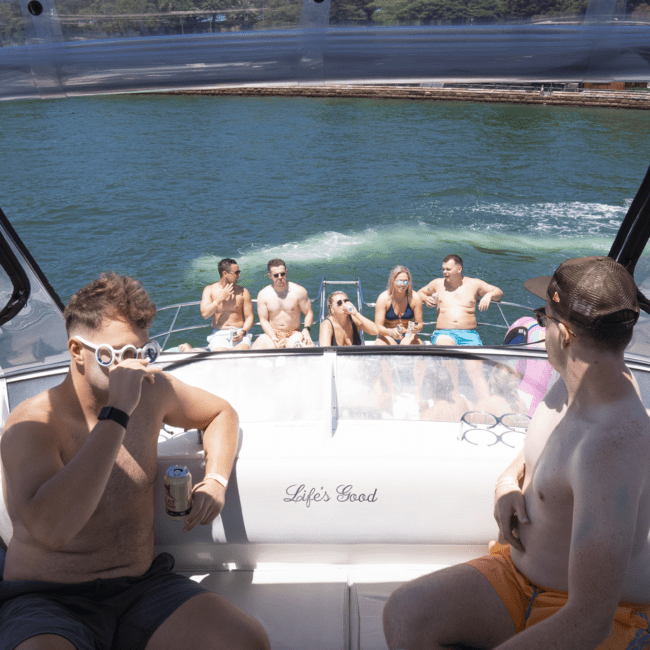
(398, 312)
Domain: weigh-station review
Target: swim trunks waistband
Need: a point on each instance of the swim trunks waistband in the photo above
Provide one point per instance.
(461, 337)
(283, 337)
(224, 338)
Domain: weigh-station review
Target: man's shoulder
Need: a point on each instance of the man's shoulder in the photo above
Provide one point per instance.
(618, 428)
(297, 289)
(265, 291)
(36, 419)
(39, 408)
(210, 287)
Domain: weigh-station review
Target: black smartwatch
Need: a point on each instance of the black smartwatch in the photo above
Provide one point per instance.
(307, 327)
(111, 413)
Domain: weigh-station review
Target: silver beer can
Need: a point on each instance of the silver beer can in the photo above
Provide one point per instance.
(178, 492)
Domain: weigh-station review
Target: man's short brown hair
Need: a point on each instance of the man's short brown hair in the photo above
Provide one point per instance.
(276, 262)
(109, 296)
(452, 258)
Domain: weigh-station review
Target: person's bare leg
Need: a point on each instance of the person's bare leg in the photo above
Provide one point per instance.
(209, 622)
(453, 608)
(45, 642)
(474, 370)
(242, 346)
(263, 342)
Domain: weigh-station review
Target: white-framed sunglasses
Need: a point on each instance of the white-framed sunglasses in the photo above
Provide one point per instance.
(402, 283)
(106, 355)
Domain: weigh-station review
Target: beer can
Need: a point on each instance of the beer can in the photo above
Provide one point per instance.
(178, 492)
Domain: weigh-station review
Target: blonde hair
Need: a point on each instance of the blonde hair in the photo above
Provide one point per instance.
(330, 300)
(504, 381)
(391, 282)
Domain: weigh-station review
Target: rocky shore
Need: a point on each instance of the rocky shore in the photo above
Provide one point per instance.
(584, 98)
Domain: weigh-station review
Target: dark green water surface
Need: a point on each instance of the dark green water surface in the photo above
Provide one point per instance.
(163, 187)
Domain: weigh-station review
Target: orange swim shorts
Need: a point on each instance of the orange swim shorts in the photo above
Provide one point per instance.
(529, 604)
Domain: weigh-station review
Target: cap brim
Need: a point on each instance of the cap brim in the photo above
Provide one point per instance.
(538, 286)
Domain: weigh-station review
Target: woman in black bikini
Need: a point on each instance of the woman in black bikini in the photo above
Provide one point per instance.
(396, 307)
(342, 326)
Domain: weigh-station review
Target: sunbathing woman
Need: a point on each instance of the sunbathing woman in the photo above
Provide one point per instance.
(342, 325)
(397, 309)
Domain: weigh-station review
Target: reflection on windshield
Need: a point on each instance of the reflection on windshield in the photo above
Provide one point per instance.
(438, 388)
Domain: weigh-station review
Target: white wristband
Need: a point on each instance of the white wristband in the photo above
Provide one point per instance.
(218, 478)
(506, 481)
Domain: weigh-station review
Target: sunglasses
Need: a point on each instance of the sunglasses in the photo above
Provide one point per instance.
(400, 283)
(235, 272)
(106, 355)
(542, 320)
(279, 275)
(340, 302)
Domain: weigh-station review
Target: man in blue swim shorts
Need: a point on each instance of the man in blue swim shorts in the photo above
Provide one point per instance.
(79, 463)
(455, 297)
(460, 337)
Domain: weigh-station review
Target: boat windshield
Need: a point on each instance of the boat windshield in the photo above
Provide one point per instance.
(640, 345)
(35, 334)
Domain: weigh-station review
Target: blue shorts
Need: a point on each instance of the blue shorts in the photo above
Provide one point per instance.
(462, 337)
(109, 614)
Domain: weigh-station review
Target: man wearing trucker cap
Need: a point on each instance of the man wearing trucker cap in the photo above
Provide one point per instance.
(574, 506)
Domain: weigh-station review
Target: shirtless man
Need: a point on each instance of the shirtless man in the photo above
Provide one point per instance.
(574, 506)
(230, 308)
(79, 465)
(278, 307)
(455, 297)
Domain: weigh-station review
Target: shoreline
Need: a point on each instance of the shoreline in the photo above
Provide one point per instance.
(584, 98)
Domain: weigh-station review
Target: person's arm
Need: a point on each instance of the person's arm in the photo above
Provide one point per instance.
(364, 323)
(488, 293)
(326, 333)
(263, 315)
(606, 479)
(426, 294)
(381, 307)
(305, 307)
(249, 317)
(509, 503)
(53, 501)
(212, 298)
(193, 408)
(418, 318)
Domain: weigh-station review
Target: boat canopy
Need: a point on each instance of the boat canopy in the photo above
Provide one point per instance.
(61, 48)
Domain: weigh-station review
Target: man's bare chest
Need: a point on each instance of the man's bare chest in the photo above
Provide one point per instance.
(135, 467)
(548, 465)
(287, 304)
(463, 296)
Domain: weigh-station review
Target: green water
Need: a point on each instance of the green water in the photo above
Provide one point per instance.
(162, 188)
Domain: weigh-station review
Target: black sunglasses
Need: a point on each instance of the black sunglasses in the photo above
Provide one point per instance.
(542, 320)
(280, 275)
(340, 302)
